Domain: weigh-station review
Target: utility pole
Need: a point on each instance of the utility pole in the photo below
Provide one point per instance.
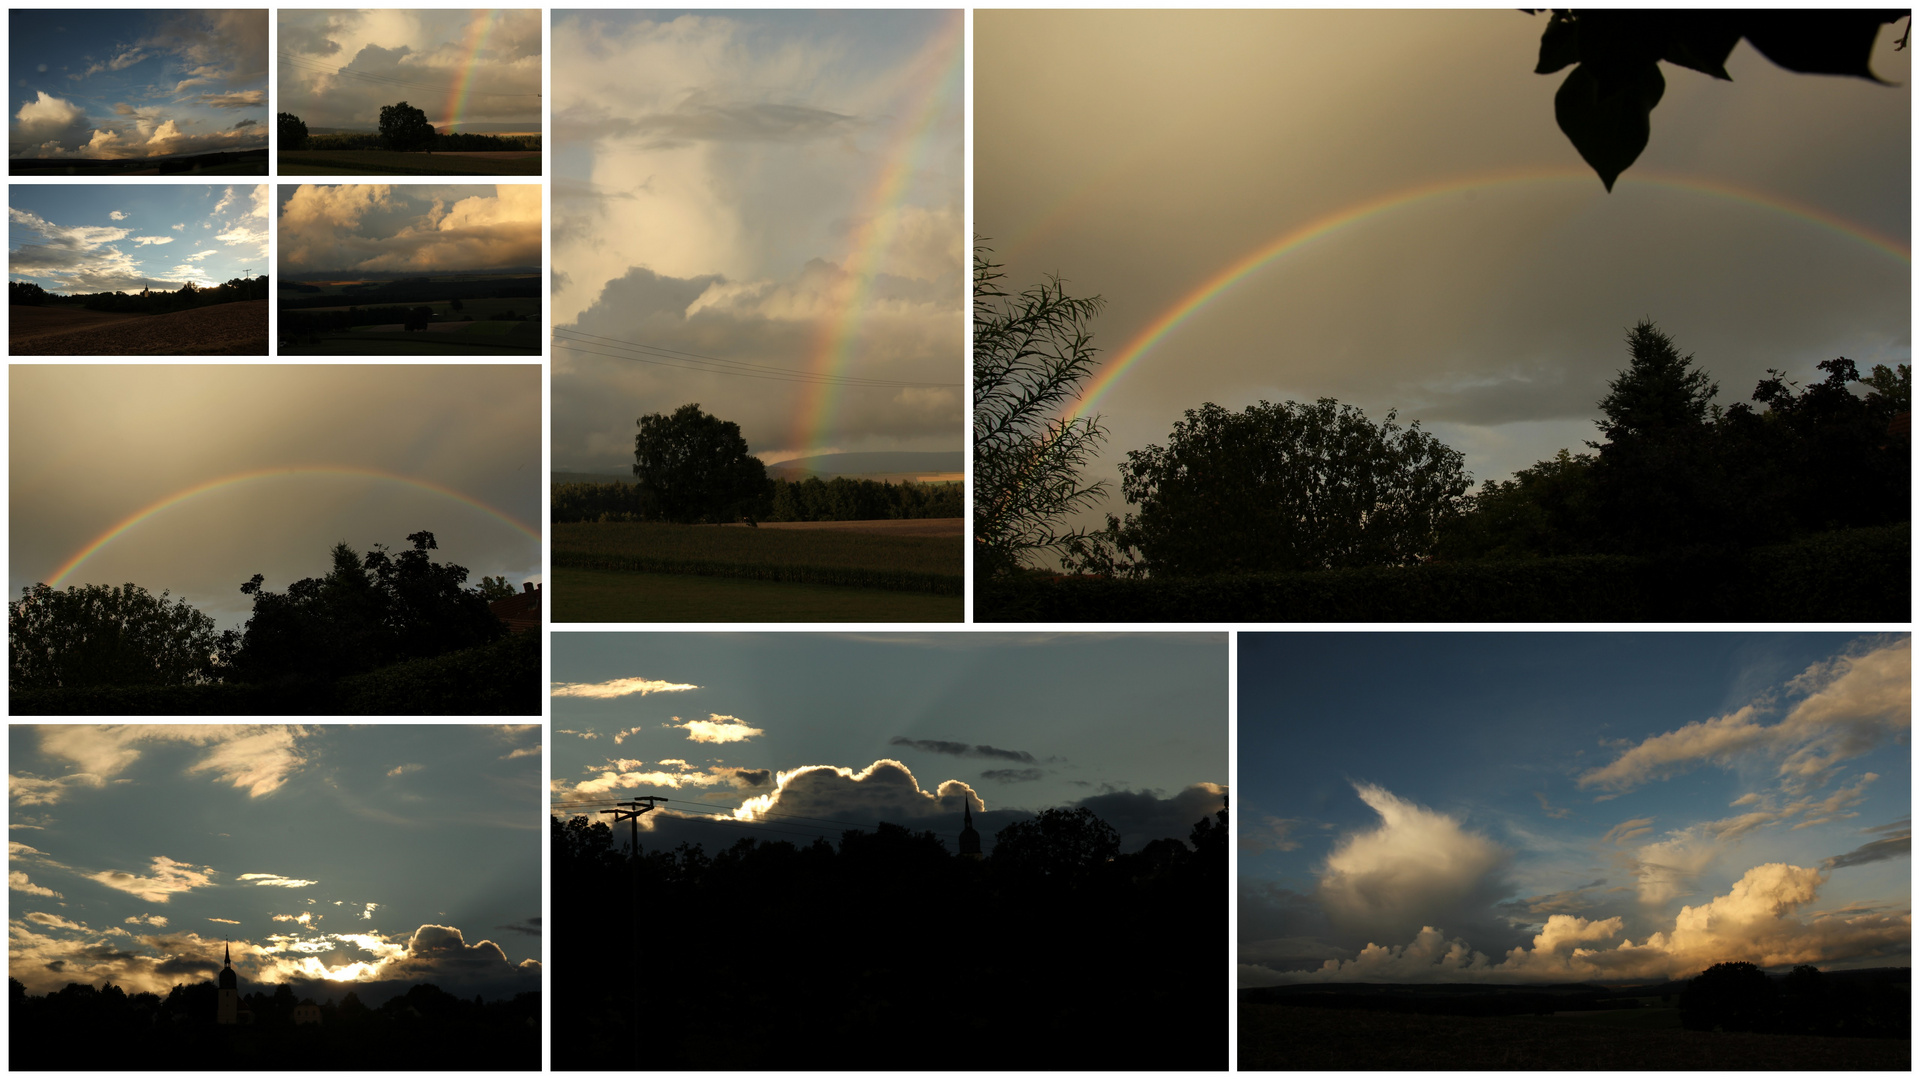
(631, 813)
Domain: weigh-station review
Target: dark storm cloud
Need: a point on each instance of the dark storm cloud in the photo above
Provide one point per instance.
(1144, 816)
(529, 927)
(1893, 847)
(187, 966)
(1013, 776)
(698, 119)
(956, 749)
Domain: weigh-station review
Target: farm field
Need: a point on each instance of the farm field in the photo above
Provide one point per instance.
(480, 326)
(707, 564)
(615, 596)
(459, 339)
(1300, 1038)
(445, 163)
(226, 163)
(881, 527)
(236, 329)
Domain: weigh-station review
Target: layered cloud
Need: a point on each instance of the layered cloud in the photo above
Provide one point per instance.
(379, 227)
(614, 688)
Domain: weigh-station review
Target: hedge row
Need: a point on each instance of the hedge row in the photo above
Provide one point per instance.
(1860, 575)
(842, 498)
(859, 577)
(501, 678)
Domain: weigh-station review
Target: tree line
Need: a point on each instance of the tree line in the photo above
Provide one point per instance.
(842, 498)
(887, 948)
(403, 127)
(147, 301)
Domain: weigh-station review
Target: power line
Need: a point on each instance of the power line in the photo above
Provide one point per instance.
(576, 341)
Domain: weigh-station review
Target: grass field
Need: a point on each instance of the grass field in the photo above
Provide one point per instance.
(1297, 1037)
(616, 596)
(363, 162)
(662, 572)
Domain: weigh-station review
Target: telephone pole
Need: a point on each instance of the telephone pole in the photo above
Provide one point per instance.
(631, 813)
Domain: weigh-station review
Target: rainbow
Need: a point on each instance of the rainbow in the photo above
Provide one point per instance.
(1299, 236)
(478, 28)
(179, 497)
(941, 62)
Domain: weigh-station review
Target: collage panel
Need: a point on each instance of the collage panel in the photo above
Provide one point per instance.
(1560, 851)
(838, 844)
(106, 92)
(323, 898)
(410, 270)
(410, 92)
(758, 316)
(271, 540)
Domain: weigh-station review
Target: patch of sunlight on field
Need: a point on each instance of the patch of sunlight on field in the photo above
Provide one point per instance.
(618, 596)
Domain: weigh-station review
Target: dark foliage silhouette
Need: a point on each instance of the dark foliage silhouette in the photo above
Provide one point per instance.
(692, 467)
(106, 1028)
(1606, 102)
(887, 952)
(100, 635)
(843, 498)
(293, 132)
(145, 302)
(403, 127)
(1734, 996)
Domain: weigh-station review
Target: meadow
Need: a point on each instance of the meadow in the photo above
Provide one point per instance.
(410, 163)
(647, 571)
(361, 324)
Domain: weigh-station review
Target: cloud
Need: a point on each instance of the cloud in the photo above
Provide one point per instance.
(622, 736)
(1418, 866)
(956, 749)
(145, 240)
(1847, 707)
(168, 878)
(256, 758)
(402, 770)
(525, 751)
(117, 215)
(1628, 830)
(146, 920)
(1013, 776)
(1566, 901)
(377, 227)
(1141, 817)
(624, 773)
(614, 688)
(305, 918)
(581, 734)
(1549, 809)
(48, 119)
(1892, 847)
(275, 880)
(1269, 834)
(883, 791)
(229, 922)
(529, 927)
(17, 881)
(718, 729)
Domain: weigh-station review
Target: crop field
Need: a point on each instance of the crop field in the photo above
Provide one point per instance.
(719, 559)
(236, 329)
(1304, 1038)
(474, 339)
(623, 596)
(445, 163)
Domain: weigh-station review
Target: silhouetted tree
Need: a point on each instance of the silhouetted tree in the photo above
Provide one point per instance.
(1605, 105)
(27, 294)
(1057, 843)
(1281, 487)
(293, 132)
(1734, 996)
(695, 467)
(403, 127)
(100, 635)
(1030, 355)
(496, 588)
(1657, 484)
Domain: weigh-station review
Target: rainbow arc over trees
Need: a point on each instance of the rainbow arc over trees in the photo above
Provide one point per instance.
(479, 28)
(939, 70)
(252, 475)
(1326, 224)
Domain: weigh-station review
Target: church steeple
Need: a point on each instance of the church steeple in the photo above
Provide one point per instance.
(969, 839)
(227, 1010)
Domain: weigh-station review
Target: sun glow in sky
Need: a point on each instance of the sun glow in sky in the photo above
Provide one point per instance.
(1571, 807)
(375, 856)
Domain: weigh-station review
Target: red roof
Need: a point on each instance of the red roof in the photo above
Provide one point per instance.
(521, 612)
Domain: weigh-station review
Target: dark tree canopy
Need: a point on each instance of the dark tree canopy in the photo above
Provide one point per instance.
(368, 612)
(1734, 996)
(403, 127)
(293, 132)
(100, 635)
(691, 466)
(1030, 355)
(1606, 103)
(1058, 843)
(1282, 487)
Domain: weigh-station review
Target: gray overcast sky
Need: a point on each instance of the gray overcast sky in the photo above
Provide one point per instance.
(328, 853)
(1137, 154)
(1133, 726)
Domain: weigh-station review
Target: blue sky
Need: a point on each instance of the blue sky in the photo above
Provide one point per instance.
(73, 238)
(1133, 726)
(334, 858)
(1657, 799)
(130, 84)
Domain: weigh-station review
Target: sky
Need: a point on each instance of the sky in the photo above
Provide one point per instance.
(194, 478)
(807, 735)
(475, 71)
(780, 191)
(1567, 807)
(1457, 260)
(72, 238)
(334, 859)
(133, 84)
(431, 228)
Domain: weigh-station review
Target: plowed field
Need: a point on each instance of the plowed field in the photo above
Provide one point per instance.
(237, 329)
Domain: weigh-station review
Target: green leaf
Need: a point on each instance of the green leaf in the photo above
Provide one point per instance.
(1819, 42)
(1609, 122)
(1559, 44)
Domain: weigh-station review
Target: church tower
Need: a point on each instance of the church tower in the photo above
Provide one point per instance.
(229, 1012)
(969, 840)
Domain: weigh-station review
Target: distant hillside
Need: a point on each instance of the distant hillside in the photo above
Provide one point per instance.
(869, 464)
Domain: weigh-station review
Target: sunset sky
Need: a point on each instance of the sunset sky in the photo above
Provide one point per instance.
(1457, 259)
(131, 83)
(72, 238)
(837, 731)
(475, 71)
(195, 478)
(377, 856)
(1571, 807)
(431, 228)
(776, 193)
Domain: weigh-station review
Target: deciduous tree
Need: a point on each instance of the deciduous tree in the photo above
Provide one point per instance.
(293, 132)
(693, 466)
(101, 635)
(403, 127)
